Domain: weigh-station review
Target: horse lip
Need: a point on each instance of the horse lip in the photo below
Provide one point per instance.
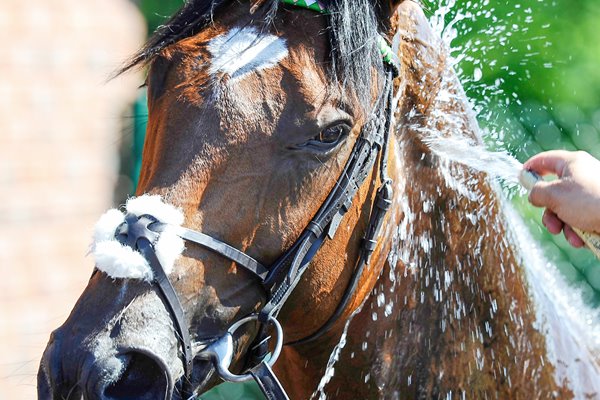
(206, 370)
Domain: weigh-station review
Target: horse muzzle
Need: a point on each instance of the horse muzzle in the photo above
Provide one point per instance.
(130, 354)
(130, 374)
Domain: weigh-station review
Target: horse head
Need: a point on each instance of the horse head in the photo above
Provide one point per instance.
(251, 128)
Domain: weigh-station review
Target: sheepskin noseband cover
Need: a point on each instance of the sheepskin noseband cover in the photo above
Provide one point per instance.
(119, 261)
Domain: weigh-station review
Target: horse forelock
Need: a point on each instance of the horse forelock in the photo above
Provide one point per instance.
(353, 28)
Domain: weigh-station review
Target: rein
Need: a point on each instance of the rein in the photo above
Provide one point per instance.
(279, 280)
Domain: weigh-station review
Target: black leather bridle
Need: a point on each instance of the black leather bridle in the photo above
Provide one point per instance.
(279, 280)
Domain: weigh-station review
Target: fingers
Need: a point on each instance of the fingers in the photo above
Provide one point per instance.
(545, 194)
(570, 200)
(549, 162)
(573, 239)
(555, 226)
(552, 222)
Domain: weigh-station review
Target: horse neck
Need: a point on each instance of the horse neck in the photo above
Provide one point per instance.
(462, 315)
(452, 312)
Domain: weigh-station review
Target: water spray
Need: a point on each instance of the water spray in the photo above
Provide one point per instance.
(528, 179)
(499, 165)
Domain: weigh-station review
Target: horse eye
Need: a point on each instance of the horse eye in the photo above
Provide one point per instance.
(327, 139)
(332, 134)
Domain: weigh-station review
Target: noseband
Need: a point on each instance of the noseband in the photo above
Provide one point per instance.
(280, 279)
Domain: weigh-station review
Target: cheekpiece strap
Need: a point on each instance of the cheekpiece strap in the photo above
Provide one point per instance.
(139, 234)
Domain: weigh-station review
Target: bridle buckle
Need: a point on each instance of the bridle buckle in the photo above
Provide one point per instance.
(220, 352)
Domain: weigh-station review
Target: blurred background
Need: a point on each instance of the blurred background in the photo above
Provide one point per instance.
(70, 138)
(61, 124)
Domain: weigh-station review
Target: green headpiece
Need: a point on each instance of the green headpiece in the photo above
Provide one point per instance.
(310, 4)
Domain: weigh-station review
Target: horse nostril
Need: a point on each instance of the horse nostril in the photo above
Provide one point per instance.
(142, 379)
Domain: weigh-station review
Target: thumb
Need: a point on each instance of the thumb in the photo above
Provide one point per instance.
(549, 162)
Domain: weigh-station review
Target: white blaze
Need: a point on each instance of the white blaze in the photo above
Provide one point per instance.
(242, 51)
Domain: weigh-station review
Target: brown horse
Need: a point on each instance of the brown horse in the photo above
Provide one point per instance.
(254, 111)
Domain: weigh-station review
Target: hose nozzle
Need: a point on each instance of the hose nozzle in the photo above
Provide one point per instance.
(528, 178)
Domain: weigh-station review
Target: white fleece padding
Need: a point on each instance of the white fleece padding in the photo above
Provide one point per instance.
(119, 261)
(106, 226)
(153, 205)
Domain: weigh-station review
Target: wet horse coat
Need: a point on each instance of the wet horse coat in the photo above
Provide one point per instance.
(248, 132)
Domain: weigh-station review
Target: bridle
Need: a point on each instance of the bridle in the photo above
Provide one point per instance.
(280, 279)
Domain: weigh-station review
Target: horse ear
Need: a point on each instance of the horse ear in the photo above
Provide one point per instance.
(403, 13)
(389, 9)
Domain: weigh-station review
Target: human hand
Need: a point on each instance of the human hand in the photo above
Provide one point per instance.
(572, 200)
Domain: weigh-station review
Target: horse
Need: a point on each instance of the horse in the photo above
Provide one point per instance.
(405, 284)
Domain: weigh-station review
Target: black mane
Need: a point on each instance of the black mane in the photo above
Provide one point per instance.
(353, 29)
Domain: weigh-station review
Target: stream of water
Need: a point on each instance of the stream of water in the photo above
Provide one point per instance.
(571, 327)
(497, 164)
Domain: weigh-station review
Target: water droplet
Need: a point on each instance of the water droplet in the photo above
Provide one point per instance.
(388, 309)
(380, 299)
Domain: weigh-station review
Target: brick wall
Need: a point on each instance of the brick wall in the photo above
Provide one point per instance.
(60, 128)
